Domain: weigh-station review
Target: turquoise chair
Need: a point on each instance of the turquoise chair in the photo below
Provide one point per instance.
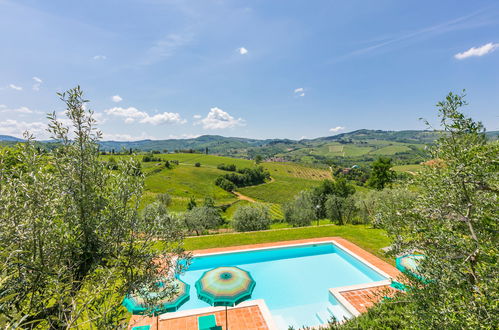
(142, 327)
(208, 322)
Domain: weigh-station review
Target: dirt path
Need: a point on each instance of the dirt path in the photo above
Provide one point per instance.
(243, 197)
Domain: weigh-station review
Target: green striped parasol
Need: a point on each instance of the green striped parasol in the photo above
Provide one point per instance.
(138, 303)
(225, 286)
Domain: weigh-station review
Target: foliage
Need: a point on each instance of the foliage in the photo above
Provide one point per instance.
(340, 209)
(340, 188)
(251, 218)
(198, 164)
(372, 204)
(229, 167)
(164, 199)
(201, 218)
(381, 174)
(302, 210)
(71, 231)
(192, 204)
(454, 223)
(244, 177)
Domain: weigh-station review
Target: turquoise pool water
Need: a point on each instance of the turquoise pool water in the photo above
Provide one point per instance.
(294, 281)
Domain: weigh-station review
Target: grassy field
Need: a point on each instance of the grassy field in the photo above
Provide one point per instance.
(187, 181)
(390, 150)
(407, 168)
(368, 238)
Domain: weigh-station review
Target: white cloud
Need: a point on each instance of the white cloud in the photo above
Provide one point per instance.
(197, 116)
(164, 118)
(17, 88)
(183, 136)
(36, 85)
(132, 114)
(337, 129)
(20, 110)
(17, 128)
(299, 91)
(219, 119)
(116, 98)
(100, 57)
(477, 51)
(127, 137)
(242, 51)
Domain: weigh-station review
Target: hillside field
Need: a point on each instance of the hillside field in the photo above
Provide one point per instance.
(186, 181)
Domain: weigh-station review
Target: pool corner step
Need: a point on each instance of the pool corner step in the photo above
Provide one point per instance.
(323, 316)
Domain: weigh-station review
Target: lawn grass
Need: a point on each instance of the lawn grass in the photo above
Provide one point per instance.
(368, 238)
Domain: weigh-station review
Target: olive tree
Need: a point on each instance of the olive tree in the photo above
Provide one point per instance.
(301, 211)
(453, 221)
(71, 236)
(201, 218)
(251, 218)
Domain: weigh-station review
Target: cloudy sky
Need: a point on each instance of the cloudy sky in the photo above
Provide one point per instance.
(283, 68)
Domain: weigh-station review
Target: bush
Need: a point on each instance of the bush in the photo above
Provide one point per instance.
(225, 184)
(244, 177)
(197, 164)
(230, 167)
(251, 218)
(301, 211)
(202, 218)
(164, 199)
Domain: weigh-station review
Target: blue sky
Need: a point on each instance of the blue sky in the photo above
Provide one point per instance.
(262, 69)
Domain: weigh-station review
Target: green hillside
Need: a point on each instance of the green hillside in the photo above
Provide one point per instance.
(185, 181)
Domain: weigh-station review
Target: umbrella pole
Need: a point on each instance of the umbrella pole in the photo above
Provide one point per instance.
(226, 319)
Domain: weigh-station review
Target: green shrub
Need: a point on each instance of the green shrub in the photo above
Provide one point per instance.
(252, 218)
(301, 211)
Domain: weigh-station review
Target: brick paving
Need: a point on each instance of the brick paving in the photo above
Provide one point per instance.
(362, 299)
(240, 318)
(250, 317)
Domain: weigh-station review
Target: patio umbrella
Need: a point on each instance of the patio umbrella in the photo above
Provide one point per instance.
(409, 263)
(138, 303)
(225, 286)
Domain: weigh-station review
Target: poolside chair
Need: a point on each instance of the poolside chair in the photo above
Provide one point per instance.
(142, 327)
(208, 322)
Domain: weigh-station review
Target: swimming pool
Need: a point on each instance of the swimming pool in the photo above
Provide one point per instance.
(293, 280)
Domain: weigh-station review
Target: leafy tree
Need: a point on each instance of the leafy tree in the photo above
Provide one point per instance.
(251, 218)
(201, 218)
(225, 184)
(258, 159)
(340, 188)
(340, 209)
(381, 173)
(71, 237)
(302, 210)
(372, 204)
(454, 223)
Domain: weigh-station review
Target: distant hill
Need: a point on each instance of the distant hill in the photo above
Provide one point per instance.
(357, 147)
(10, 138)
